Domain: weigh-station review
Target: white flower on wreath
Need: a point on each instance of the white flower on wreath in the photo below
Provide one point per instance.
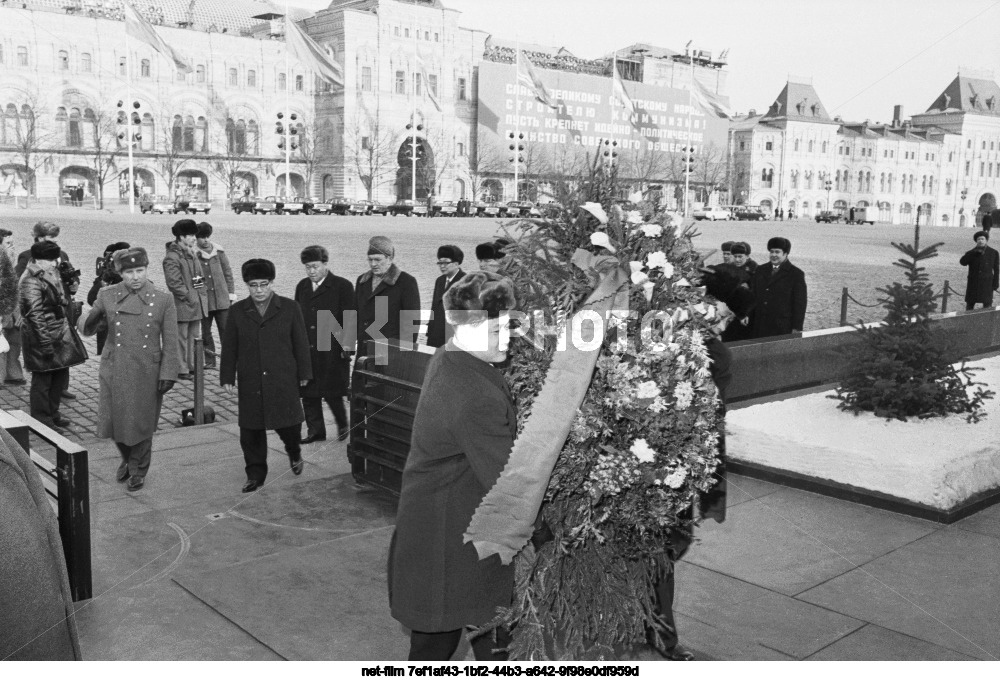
(638, 275)
(675, 479)
(658, 260)
(659, 405)
(682, 283)
(599, 238)
(683, 395)
(641, 450)
(647, 290)
(633, 217)
(648, 390)
(658, 347)
(651, 230)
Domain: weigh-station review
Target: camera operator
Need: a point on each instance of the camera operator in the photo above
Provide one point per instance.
(106, 276)
(185, 279)
(49, 231)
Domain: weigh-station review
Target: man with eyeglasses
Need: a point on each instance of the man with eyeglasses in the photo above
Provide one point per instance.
(449, 261)
(265, 357)
(322, 291)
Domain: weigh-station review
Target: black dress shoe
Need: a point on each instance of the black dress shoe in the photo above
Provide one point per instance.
(60, 421)
(252, 485)
(68, 395)
(296, 464)
(122, 473)
(135, 483)
(314, 438)
(185, 376)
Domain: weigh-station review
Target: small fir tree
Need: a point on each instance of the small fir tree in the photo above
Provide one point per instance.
(901, 369)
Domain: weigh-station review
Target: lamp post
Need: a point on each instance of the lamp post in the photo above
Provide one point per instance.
(130, 121)
(965, 195)
(412, 129)
(516, 157)
(829, 188)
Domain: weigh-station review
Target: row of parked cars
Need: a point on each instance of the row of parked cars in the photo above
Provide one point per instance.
(745, 213)
(346, 206)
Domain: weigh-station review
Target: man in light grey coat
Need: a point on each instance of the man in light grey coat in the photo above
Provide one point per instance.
(184, 278)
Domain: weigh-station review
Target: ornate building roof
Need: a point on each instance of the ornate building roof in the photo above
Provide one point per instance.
(970, 95)
(798, 101)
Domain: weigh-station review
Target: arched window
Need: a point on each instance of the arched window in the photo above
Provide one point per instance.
(230, 136)
(234, 77)
(861, 181)
(199, 73)
(824, 147)
(282, 81)
(63, 60)
(767, 178)
(796, 145)
(251, 78)
(122, 67)
(86, 64)
(188, 133)
(299, 135)
(73, 137)
(809, 179)
(148, 142)
(299, 83)
(881, 183)
(89, 128)
(888, 183)
(795, 179)
(201, 134)
(930, 184)
(810, 146)
(868, 182)
(947, 187)
(22, 56)
(144, 68)
(177, 135)
(253, 138)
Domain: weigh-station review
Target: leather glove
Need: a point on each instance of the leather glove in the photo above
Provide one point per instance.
(164, 386)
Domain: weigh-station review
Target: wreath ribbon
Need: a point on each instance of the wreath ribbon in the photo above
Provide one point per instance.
(504, 521)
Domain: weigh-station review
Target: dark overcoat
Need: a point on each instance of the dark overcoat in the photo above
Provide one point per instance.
(984, 275)
(463, 432)
(780, 300)
(180, 266)
(400, 292)
(266, 358)
(50, 341)
(141, 350)
(331, 369)
(36, 616)
(437, 328)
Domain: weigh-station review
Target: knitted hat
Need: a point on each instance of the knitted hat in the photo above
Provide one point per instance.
(204, 230)
(314, 254)
(184, 228)
(478, 291)
(739, 249)
(45, 229)
(727, 247)
(381, 245)
(453, 253)
(780, 243)
(975, 237)
(131, 258)
(45, 250)
(115, 247)
(258, 269)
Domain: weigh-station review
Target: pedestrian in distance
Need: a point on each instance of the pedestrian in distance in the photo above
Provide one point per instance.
(184, 278)
(984, 272)
(220, 289)
(322, 292)
(387, 298)
(780, 293)
(265, 361)
(449, 261)
(463, 432)
(50, 341)
(139, 364)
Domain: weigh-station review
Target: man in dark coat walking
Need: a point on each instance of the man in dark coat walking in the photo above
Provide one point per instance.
(984, 272)
(449, 260)
(779, 290)
(321, 292)
(386, 297)
(463, 432)
(265, 357)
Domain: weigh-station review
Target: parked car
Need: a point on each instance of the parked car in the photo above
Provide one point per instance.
(243, 204)
(861, 216)
(359, 207)
(294, 205)
(341, 205)
(155, 204)
(495, 209)
(518, 208)
(829, 216)
(319, 207)
(376, 208)
(444, 209)
(711, 214)
(405, 206)
(191, 205)
(269, 204)
(750, 214)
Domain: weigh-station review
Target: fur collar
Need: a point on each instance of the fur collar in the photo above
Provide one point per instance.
(389, 279)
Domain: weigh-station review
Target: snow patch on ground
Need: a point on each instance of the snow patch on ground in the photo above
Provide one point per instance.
(938, 462)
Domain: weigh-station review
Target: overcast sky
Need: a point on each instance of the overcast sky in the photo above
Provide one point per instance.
(863, 56)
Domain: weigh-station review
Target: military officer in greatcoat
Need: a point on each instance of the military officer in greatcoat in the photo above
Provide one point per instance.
(139, 363)
(322, 292)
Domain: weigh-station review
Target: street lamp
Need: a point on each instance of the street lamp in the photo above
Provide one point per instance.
(516, 158)
(415, 153)
(126, 136)
(829, 188)
(965, 195)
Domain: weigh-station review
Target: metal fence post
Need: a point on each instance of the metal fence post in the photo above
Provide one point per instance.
(199, 381)
(944, 297)
(843, 307)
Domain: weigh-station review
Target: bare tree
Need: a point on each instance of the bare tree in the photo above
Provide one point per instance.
(645, 166)
(104, 148)
(315, 144)
(30, 139)
(441, 140)
(372, 146)
(170, 157)
(710, 168)
(237, 156)
(486, 160)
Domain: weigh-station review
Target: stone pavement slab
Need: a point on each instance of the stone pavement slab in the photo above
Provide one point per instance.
(740, 489)
(874, 643)
(710, 643)
(941, 588)
(326, 601)
(791, 540)
(984, 522)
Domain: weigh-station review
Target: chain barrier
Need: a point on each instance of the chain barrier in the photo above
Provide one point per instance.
(946, 289)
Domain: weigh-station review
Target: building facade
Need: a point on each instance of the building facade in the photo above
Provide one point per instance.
(945, 162)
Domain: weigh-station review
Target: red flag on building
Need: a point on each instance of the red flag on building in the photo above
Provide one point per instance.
(709, 101)
(527, 76)
(620, 94)
(311, 55)
(137, 27)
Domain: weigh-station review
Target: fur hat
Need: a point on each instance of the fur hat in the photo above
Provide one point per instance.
(184, 228)
(45, 229)
(314, 254)
(975, 237)
(727, 247)
(478, 291)
(204, 230)
(381, 245)
(747, 246)
(738, 249)
(780, 243)
(115, 247)
(258, 269)
(45, 250)
(131, 258)
(492, 251)
(453, 253)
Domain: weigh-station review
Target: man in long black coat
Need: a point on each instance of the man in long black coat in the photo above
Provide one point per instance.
(385, 284)
(449, 260)
(984, 272)
(321, 292)
(463, 432)
(780, 294)
(265, 356)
